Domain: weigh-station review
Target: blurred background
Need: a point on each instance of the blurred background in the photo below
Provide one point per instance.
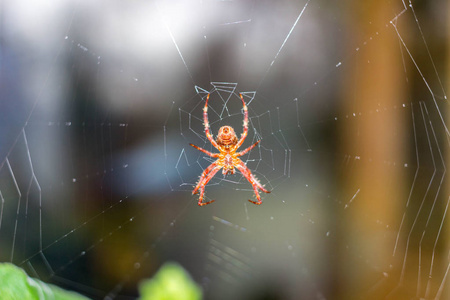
(100, 100)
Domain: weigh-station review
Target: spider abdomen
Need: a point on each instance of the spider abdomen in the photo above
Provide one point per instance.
(226, 137)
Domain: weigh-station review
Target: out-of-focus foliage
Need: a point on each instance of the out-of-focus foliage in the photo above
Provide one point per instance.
(170, 283)
(15, 284)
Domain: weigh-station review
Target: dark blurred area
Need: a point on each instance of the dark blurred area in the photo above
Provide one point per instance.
(100, 100)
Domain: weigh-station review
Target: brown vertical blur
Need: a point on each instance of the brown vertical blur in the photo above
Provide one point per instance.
(446, 231)
(373, 144)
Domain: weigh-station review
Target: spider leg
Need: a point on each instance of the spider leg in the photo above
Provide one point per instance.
(244, 133)
(206, 123)
(204, 182)
(253, 180)
(203, 176)
(205, 151)
(248, 149)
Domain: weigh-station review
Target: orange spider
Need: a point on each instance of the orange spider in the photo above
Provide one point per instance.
(227, 143)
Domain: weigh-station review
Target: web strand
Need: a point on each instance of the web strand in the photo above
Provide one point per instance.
(284, 42)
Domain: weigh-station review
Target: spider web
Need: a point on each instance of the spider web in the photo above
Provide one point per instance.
(102, 100)
(271, 165)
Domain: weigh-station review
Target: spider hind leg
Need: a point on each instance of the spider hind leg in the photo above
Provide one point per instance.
(255, 186)
(207, 175)
(254, 182)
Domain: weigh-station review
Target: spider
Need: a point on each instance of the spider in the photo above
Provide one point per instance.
(228, 159)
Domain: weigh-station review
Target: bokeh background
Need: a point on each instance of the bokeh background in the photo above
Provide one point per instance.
(100, 100)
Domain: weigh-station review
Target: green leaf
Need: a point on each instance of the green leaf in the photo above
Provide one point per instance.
(15, 284)
(171, 282)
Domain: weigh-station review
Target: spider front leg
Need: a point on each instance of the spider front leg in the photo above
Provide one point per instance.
(245, 125)
(206, 123)
(253, 180)
(206, 176)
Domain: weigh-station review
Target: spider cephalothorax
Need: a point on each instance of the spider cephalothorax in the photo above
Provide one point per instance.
(228, 159)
